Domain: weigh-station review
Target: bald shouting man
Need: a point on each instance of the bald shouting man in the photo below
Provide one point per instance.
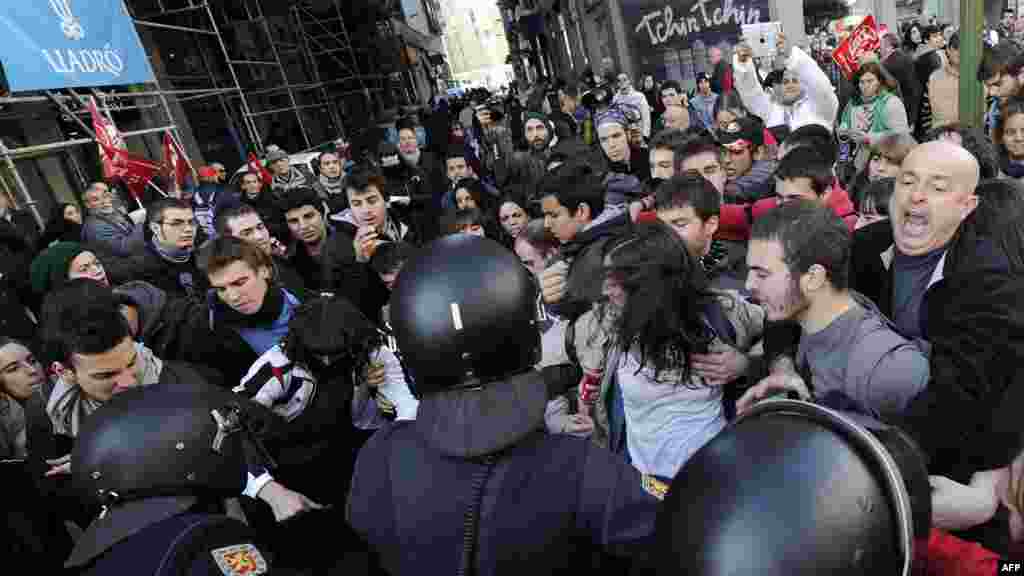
(896, 262)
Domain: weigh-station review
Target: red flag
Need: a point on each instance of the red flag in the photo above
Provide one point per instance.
(175, 167)
(256, 167)
(109, 139)
(135, 172)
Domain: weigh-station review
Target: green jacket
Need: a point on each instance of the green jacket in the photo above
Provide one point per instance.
(880, 121)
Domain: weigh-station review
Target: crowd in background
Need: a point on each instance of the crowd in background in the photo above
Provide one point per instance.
(847, 241)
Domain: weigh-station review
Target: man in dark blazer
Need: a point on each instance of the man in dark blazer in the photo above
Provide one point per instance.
(901, 67)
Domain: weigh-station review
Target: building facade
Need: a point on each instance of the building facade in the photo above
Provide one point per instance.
(475, 41)
(670, 38)
(232, 78)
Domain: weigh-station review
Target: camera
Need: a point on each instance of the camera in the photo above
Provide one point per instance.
(598, 97)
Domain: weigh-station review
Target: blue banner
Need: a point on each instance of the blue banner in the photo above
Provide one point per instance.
(52, 44)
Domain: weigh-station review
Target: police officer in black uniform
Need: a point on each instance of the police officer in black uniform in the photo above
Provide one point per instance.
(161, 460)
(473, 485)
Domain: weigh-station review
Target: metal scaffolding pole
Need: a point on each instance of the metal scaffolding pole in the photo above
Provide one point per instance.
(37, 149)
(332, 109)
(284, 75)
(222, 97)
(176, 28)
(287, 108)
(31, 99)
(254, 132)
(352, 53)
(26, 197)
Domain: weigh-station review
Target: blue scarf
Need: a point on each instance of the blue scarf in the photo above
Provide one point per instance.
(263, 338)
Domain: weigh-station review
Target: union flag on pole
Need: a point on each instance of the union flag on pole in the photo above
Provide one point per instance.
(118, 163)
(175, 166)
(256, 167)
(109, 139)
(136, 172)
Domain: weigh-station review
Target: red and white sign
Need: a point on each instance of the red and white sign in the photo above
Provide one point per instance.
(863, 40)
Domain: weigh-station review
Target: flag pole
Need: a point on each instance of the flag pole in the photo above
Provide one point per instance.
(154, 187)
(181, 152)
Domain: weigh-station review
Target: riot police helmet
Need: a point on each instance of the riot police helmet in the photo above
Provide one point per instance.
(154, 452)
(796, 489)
(464, 316)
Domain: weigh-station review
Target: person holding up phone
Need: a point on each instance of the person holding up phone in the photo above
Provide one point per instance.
(807, 95)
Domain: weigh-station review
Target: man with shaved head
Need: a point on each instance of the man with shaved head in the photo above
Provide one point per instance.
(934, 193)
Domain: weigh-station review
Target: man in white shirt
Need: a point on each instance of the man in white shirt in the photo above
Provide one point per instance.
(807, 95)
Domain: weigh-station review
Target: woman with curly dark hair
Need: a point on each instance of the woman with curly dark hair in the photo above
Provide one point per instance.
(660, 313)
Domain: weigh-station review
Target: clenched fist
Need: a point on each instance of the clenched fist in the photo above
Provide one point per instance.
(554, 282)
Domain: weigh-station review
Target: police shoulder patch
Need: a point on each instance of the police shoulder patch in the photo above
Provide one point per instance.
(240, 560)
(654, 486)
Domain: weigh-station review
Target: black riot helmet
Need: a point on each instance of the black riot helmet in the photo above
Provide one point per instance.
(796, 489)
(465, 318)
(153, 452)
(464, 313)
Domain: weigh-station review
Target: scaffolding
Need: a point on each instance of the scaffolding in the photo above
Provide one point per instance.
(295, 41)
(274, 74)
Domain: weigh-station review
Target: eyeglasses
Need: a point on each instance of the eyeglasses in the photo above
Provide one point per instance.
(179, 224)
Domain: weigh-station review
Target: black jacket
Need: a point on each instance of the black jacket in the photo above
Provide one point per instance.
(354, 280)
(270, 213)
(313, 272)
(869, 274)
(968, 418)
(215, 344)
(182, 279)
(423, 184)
(289, 278)
(16, 255)
(585, 254)
(901, 67)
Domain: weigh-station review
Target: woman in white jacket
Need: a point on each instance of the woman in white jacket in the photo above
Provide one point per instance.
(808, 96)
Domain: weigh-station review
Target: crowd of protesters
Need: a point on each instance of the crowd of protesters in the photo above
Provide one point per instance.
(695, 252)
